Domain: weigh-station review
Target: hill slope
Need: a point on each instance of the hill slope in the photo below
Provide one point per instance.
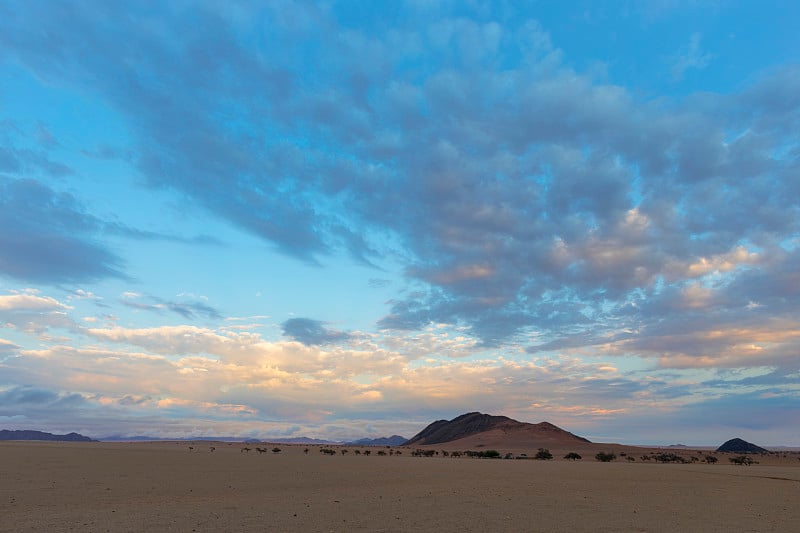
(493, 429)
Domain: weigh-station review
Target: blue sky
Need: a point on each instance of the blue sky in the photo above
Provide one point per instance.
(346, 219)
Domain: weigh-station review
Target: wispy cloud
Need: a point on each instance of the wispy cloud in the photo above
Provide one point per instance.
(692, 57)
(186, 308)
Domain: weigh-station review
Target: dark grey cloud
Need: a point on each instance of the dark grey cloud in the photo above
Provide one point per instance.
(130, 400)
(26, 396)
(523, 195)
(312, 332)
(49, 237)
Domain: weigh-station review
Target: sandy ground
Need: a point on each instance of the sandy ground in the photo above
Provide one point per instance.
(166, 487)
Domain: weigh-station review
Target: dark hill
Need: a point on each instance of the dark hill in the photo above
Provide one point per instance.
(29, 434)
(741, 446)
(471, 424)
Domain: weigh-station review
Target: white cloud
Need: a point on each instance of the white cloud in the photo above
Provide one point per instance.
(30, 302)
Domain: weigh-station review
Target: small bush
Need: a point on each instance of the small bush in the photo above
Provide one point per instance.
(669, 458)
(741, 460)
(572, 456)
(710, 459)
(543, 454)
(604, 457)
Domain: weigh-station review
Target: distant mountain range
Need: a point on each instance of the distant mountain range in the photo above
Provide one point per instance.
(296, 440)
(29, 434)
(394, 440)
(292, 440)
(148, 438)
(476, 426)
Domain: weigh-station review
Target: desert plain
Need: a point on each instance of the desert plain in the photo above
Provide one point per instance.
(166, 486)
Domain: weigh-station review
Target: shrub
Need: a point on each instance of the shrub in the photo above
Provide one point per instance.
(741, 460)
(710, 459)
(543, 454)
(669, 458)
(572, 456)
(276, 450)
(604, 457)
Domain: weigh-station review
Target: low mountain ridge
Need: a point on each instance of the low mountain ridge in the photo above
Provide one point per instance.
(472, 424)
(394, 440)
(30, 434)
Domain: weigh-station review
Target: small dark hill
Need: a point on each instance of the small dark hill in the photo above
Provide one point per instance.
(470, 424)
(29, 434)
(741, 446)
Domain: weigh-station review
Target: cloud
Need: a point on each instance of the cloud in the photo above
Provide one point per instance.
(231, 382)
(20, 160)
(29, 302)
(49, 237)
(502, 176)
(311, 332)
(31, 313)
(7, 348)
(18, 396)
(692, 57)
(187, 309)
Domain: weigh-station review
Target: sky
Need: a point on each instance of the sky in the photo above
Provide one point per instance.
(350, 219)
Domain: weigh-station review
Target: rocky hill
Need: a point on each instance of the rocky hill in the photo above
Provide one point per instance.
(741, 446)
(472, 424)
(29, 434)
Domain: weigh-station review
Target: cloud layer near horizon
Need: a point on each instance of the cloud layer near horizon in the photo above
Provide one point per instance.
(537, 210)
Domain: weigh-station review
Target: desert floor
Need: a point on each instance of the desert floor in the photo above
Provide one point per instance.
(167, 487)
